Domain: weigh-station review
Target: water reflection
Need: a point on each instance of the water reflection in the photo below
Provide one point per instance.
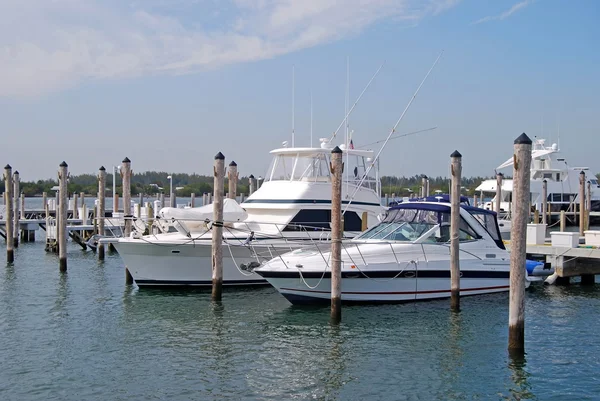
(521, 389)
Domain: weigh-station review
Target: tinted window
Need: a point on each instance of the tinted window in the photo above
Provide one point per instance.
(319, 219)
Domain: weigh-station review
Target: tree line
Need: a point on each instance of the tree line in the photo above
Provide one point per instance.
(152, 182)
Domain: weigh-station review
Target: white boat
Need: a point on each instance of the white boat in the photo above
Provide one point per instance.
(404, 258)
(290, 209)
(546, 164)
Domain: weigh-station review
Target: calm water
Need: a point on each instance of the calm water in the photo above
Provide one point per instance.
(86, 335)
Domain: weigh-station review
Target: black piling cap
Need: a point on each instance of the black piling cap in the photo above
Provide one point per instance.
(102, 168)
(336, 150)
(17, 172)
(580, 173)
(8, 167)
(63, 164)
(251, 177)
(126, 160)
(233, 164)
(424, 176)
(500, 174)
(523, 139)
(456, 153)
(219, 156)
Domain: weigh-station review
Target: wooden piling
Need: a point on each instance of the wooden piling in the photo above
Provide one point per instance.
(22, 208)
(162, 199)
(545, 202)
(126, 177)
(232, 176)
(521, 195)
(217, 228)
(456, 170)
(150, 216)
(8, 200)
(499, 179)
(251, 184)
(536, 216)
(193, 200)
(76, 207)
(115, 204)
(563, 220)
(423, 186)
(16, 214)
(475, 203)
(101, 208)
(63, 176)
(581, 202)
(337, 168)
(45, 202)
(588, 205)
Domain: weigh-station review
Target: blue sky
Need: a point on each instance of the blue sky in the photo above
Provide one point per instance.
(169, 83)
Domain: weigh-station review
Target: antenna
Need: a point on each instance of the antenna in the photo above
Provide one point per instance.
(347, 141)
(311, 120)
(392, 131)
(293, 102)
(356, 102)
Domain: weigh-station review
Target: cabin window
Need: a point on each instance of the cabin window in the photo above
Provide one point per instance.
(320, 219)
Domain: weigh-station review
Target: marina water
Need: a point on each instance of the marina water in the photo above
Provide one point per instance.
(85, 335)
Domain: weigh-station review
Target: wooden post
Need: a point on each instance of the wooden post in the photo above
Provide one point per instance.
(8, 200)
(193, 200)
(63, 176)
(337, 168)
(536, 216)
(126, 176)
(22, 206)
(545, 202)
(475, 203)
(518, 247)
(563, 220)
(204, 199)
(427, 187)
(141, 201)
(16, 214)
(456, 170)
(423, 186)
(588, 205)
(45, 202)
(386, 200)
(581, 203)
(101, 208)
(364, 221)
(499, 178)
(75, 207)
(232, 176)
(251, 183)
(150, 216)
(217, 228)
(162, 199)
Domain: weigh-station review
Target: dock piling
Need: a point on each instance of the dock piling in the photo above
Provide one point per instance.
(101, 207)
(193, 200)
(545, 201)
(16, 214)
(588, 205)
(76, 206)
(581, 202)
(232, 177)
(126, 177)
(251, 184)
(499, 179)
(217, 227)
(337, 168)
(63, 206)
(8, 199)
(518, 251)
(456, 171)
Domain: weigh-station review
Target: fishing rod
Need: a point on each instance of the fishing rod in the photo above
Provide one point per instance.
(356, 102)
(398, 136)
(392, 132)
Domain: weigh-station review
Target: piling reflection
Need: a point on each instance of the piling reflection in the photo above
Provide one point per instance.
(521, 389)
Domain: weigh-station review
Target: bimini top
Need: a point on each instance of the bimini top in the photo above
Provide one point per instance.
(443, 207)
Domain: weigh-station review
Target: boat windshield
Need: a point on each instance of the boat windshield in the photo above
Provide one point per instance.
(299, 167)
(412, 224)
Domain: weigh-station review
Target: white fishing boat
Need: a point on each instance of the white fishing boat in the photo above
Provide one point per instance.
(290, 209)
(404, 258)
(548, 165)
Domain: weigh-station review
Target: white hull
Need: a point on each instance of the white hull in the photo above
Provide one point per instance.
(382, 286)
(190, 263)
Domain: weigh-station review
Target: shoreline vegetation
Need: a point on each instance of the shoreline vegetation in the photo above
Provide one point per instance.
(153, 182)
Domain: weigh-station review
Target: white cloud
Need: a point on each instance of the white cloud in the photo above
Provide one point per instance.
(48, 45)
(506, 13)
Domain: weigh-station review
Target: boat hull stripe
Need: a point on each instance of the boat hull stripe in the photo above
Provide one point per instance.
(206, 283)
(414, 274)
(498, 287)
(307, 201)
